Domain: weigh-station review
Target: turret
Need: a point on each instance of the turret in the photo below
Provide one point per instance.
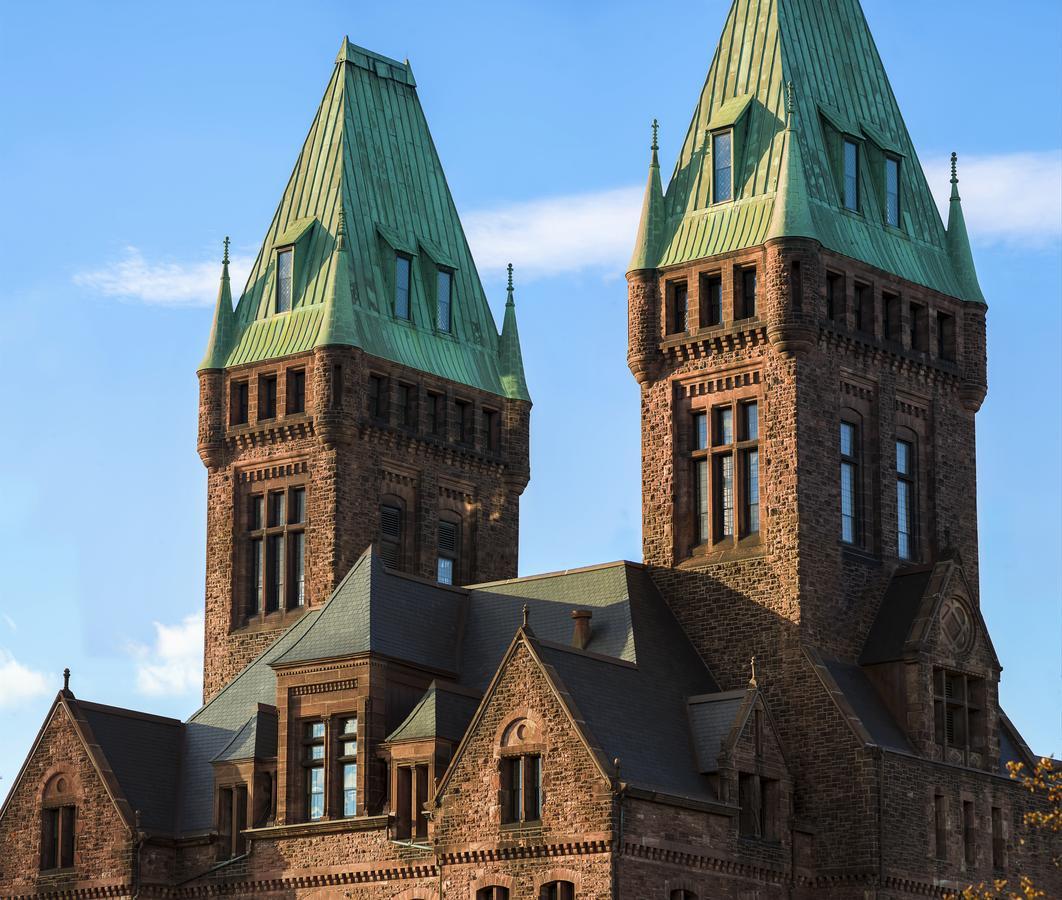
(211, 376)
(643, 307)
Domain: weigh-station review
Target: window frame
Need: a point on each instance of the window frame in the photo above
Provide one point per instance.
(710, 309)
(268, 386)
(343, 759)
(519, 780)
(893, 163)
(846, 143)
(261, 534)
(907, 488)
(728, 134)
(295, 391)
(395, 310)
(377, 397)
(450, 554)
(311, 764)
(745, 302)
(676, 289)
(836, 305)
(968, 710)
(59, 819)
(448, 274)
(287, 251)
(239, 402)
(854, 463)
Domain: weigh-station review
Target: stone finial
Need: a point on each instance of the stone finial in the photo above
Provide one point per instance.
(752, 680)
(509, 269)
(616, 766)
(66, 681)
(790, 103)
(954, 167)
(656, 130)
(225, 256)
(527, 615)
(341, 227)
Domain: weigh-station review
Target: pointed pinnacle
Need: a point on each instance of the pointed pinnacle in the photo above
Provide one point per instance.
(656, 129)
(225, 257)
(954, 168)
(510, 270)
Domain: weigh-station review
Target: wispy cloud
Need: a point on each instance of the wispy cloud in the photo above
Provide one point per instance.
(557, 234)
(174, 665)
(9, 621)
(162, 282)
(19, 683)
(1007, 198)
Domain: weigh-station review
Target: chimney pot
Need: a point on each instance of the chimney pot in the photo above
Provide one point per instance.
(581, 632)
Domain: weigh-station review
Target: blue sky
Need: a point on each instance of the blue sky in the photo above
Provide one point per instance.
(137, 135)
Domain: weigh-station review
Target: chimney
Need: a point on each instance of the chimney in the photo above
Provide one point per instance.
(581, 632)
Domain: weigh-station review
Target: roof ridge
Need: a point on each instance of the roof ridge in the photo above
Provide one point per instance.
(556, 574)
(127, 713)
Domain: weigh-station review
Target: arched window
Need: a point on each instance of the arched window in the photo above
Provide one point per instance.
(58, 824)
(494, 892)
(557, 890)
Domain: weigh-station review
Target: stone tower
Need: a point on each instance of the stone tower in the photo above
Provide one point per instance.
(809, 341)
(808, 337)
(359, 391)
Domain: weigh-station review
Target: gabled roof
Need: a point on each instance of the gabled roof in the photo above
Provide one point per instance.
(825, 50)
(910, 609)
(372, 610)
(712, 720)
(256, 740)
(443, 712)
(369, 152)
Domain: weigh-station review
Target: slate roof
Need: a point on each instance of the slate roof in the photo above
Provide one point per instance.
(442, 712)
(825, 49)
(257, 739)
(899, 607)
(143, 752)
(369, 152)
(711, 720)
(372, 610)
(866, 703)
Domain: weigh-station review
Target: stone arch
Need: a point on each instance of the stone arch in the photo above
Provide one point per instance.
(493, 879)
(521, 729)
(558, 874)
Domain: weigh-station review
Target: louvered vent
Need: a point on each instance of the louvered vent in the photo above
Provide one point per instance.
(391, 522)
(447, 537)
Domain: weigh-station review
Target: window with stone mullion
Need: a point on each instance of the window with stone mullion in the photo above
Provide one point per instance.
(726, 472)
(275, 551)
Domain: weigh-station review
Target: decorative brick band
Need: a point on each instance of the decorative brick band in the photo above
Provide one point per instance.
(701, 861)
(497, 854)
(284, 470)
(323, 687)
(718, 385)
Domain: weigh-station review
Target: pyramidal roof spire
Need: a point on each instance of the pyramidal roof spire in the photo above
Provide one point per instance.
(647, 243)
(223, 331)
(510, 358)
(338, 325)
(959, 241)
(792, 214)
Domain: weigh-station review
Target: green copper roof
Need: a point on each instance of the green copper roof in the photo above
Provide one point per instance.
(839, 88)
(370, 155)
(223, 331)
(647, 243)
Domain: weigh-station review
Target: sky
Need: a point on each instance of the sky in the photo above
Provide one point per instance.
(136, 135)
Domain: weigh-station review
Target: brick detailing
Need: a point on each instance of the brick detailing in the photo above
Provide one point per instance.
(349, 461)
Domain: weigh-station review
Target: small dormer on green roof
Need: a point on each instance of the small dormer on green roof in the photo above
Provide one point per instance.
(785, 169)
(223, 329)
(369, 157)
(650, 228)
(959, 242)
(510, 359)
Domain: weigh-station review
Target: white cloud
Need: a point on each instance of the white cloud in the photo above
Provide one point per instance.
(557, 234)
(163, 283)
(174, 665)
(19, 683)
(10, 622)
(1007, 198)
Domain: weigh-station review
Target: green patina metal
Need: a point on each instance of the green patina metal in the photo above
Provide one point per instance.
(825, 49)
(370, 163)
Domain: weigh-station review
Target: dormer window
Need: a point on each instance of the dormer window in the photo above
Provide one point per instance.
(722, 167)
(402, 270)
(892, 191)
(444, 300)
(851, 176)
(284, 278)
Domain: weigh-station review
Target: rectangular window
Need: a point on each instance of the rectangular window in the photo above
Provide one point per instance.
(851, 176)
(297, 580)
(919, 335)
(274, 572)
(267, 397)
(891, 316)
(377, 398)
(449, 539)
(391, 536)
(958, 710)
(313, 758)
(407, 406)
(834, 297)
(750, 817)
(747, 308)
(751, 493)
(850, 530)
(465, 429)
(724, 495)
(722, 167)
(521, 788)
(704, 531)
(444, 296)
(700, 431)
(711, 301)
(402, 268)
(998, 845)
(436, 414)
(284, 273)
(940, 825)
(492, 430)
(905, 500)
(58, 827)
(892, 191)
(945, 337)
(864, 308)
(276, 509)
(969, 833)
(348, 761)
(255, 571)
(295, 384)
(679, 307)
(238, 403)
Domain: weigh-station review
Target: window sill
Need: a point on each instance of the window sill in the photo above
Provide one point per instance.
(320, 826)
(269, 621)
(746, 548)
(49, 873)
